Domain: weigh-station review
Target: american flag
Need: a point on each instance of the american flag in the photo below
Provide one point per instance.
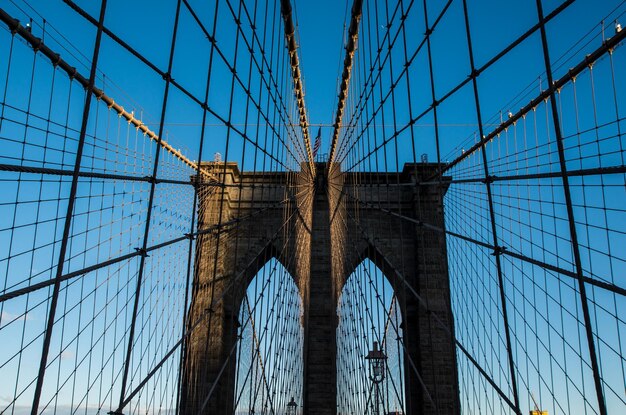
(318, 142)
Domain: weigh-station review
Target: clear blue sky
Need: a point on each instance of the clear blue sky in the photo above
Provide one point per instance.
(494, 25)
(147, 26)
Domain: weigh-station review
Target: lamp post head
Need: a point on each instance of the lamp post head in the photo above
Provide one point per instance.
(292, 406)
(376, 360)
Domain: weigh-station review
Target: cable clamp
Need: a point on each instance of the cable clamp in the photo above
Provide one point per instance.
(142, 252)
(151, 179)
(489, 179)
(498, 250)
(37, 46)
(14, 26)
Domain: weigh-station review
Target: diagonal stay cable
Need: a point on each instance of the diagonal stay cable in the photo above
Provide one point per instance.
(203, 105)
(290, 37)
(438, 320)
(274, 95)
(380, 301)
(256, 352)
(353, 37)
(607, 47)
(501, 251)
(212, 229)
(199, 321)
(56, 60)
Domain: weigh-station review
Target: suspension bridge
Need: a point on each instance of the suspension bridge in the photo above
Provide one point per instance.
(175, 238)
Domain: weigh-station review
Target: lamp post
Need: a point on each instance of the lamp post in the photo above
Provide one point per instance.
(292, 407)
(376, 360)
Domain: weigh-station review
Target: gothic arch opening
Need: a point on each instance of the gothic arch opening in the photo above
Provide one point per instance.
(269, 369)
(369, 311)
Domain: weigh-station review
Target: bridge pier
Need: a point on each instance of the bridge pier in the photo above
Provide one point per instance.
(414, 260)
(320, 369)
(326, 248)
(228, 256)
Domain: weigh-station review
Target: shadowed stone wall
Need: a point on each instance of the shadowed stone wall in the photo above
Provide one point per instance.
(320, 228)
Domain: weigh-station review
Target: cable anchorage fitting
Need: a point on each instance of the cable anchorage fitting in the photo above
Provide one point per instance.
(37, 46)
(13, 26)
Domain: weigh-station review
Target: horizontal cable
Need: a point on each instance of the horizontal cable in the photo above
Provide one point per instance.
(201, 318)
(545, 175)
(499, 250)
(87, 174)
(607, 46)
(437, 319)
(275, 95)
(178, 86)
(38, 46)
(74, 274)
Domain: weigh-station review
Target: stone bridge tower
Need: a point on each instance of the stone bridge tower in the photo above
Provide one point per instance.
(321, 243)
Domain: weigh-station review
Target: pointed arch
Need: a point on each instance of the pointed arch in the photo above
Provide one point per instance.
(368, 312)
(374, 254)
(254, 264)
(270, 341)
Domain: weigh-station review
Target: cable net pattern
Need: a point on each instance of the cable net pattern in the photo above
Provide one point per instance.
(157, 186)
(524, 124)
(101, 187)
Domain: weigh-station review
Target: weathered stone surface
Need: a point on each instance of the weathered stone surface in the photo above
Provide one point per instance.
(320, 233)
